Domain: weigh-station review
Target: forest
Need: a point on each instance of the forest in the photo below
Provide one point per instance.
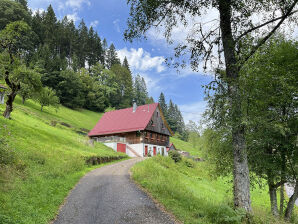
(54, 62)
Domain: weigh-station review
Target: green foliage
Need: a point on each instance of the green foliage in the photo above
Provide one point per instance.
(47, 97)
(11, 11)
(174, 155)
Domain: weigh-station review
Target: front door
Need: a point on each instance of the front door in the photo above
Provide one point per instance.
(146, 150)
(154, 151)
(121, 147)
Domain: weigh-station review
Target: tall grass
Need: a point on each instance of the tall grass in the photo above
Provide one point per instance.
(193, 196)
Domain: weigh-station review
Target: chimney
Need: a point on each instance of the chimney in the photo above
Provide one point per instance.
(134, 107)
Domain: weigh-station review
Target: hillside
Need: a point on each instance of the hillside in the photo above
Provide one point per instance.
(188, 191)
(43, 155)
(185, 146)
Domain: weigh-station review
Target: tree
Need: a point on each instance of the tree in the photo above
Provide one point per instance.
(11, 11)
(47, 97)
(140, 90)
(269, 83)
(163, 105)
(123, 77)
(70, 89)
(93, 91)
(15, 41)
(231, 34)
(107, 80)
(112, 57)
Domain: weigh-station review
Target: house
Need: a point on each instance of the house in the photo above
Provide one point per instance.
(2, 93)
(139, 131)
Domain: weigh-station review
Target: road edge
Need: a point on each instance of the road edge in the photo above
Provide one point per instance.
(158, 204)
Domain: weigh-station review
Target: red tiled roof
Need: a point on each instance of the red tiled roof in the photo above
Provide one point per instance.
(124, 120)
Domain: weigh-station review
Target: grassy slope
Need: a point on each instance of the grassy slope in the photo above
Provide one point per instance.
(185, 146)
(192, 196)
(43, 162)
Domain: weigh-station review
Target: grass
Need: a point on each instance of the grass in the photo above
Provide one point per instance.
(186, 189)
(42, 157)
(185, 146)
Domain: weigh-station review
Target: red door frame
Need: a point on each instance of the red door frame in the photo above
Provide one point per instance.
(146, 150)
(154, 151)
(121, 147)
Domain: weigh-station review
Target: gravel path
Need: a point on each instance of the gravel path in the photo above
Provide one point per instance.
(107, 196)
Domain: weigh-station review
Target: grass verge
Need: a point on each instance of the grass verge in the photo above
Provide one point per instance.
(186, 190)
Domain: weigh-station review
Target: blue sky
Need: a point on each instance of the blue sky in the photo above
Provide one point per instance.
(146, 57)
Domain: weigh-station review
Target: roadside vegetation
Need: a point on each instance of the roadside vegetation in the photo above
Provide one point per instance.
(193, 195)
(42, 157)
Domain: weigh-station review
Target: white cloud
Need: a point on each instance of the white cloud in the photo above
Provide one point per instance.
(193, 111)
(77, 4)
(74, 17)
(116, 25)
(152, 84)
(94, 23)
(141, 60)
(40, 10)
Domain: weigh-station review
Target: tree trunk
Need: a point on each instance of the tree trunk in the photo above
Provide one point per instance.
(23, 100)
(241, 171)
(282, 188)
(9, 107)
(273, 198)
(291, 203)
(282, 199)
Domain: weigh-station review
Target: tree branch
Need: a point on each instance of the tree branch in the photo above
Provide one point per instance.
(264, 24)
(253, 51)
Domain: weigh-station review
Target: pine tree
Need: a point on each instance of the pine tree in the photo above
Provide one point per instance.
(163, 105)
(50, 28)
(140, 90)
(112, 57)
(82, 44)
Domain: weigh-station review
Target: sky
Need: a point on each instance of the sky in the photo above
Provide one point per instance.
(146, 57)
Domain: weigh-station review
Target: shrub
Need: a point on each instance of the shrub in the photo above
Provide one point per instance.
(189, 163)
(175, 156)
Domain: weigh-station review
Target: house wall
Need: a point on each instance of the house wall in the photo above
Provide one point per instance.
(158, 149)
(139, 149)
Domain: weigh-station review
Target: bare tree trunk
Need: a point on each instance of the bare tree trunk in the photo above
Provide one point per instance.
(241, 171)
(9, 107)
(273, 197)
(23, 100)
(282, 199)
(282, 188)
(291, 203)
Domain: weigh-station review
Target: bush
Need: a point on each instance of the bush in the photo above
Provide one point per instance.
(175, 156)
(189, 163)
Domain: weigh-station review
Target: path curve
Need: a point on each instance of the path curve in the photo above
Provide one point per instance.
(107, 196)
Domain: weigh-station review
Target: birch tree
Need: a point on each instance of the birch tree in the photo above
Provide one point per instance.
(238, 23)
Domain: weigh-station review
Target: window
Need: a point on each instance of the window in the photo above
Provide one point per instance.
(157, 114)
(151, 122)
(151, 135)
(138, 134)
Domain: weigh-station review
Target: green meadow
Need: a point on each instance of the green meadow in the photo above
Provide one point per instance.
(188, 191)
(42, 157)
